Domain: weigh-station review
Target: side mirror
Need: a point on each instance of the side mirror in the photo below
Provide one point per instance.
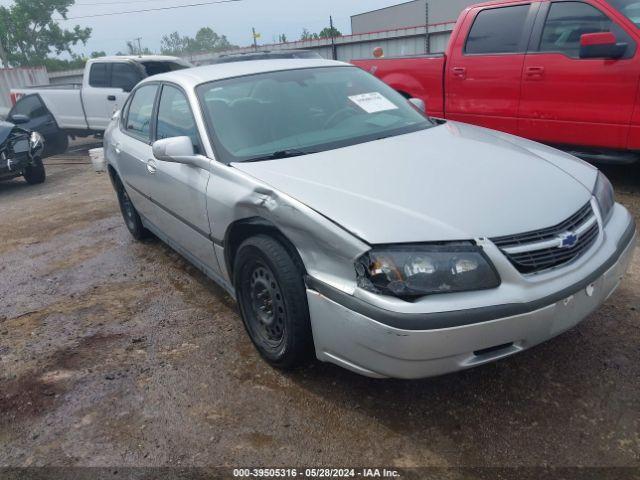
(419, 104)
(179, 150)
(19, 119)
(601, 45)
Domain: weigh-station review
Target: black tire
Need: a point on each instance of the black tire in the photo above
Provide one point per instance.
(35, 173)
(273, 302)
(130, 214)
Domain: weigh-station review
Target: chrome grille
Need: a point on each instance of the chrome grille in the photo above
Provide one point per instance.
(551, 247)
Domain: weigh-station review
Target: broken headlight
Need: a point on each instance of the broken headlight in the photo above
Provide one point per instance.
(605, 196)
(411, 271)
(35, 141)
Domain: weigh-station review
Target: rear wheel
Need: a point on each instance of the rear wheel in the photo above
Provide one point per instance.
(35, 173)
(273, 302)
(130, 215)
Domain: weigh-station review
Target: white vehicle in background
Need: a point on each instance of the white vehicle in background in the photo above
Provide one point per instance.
(86, 109)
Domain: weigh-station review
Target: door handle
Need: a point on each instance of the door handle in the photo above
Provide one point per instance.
(116, 147)
(534, 72)
(460, 72)
(151, 166)
(111, 98)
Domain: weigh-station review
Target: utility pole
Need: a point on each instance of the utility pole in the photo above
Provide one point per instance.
(427, 38)
(334, 50)
(255, 39)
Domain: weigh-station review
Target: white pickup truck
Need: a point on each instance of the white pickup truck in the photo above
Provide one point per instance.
(86, 109)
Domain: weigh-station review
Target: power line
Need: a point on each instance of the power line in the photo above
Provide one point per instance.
(114, 3)
(148, 10)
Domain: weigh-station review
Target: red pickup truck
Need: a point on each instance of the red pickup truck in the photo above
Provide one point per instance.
(561, 72)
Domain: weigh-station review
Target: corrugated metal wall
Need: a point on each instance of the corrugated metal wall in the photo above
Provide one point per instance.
(409, 14)
(69, 76)
(18, 77)
(404, 15)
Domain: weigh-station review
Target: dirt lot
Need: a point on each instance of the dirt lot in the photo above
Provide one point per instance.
(116, 353)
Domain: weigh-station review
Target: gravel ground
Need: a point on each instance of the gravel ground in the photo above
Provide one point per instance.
(117, 353)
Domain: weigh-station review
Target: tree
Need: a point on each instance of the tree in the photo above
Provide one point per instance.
(206, 40)
(306, 35)
(29, 34)
(58, 65)
(329, 32)
(282, 38)
(133, 49)
(174, 44)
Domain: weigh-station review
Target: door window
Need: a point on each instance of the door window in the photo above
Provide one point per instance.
(568, 21)
(175, 118)
(124, 76)
(498, 30)
(99, 75)
(31, 106)
(140, 112)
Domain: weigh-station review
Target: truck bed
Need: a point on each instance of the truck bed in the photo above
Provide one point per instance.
(416, 76)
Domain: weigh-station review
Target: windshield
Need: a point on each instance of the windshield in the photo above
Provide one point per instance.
(295, 112)
(629, 8)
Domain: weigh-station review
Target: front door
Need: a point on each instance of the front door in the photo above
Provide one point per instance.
(572, 101)
(179, 191)
(485, 69)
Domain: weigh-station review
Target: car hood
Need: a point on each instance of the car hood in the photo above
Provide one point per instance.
(5, 131)
(451, 182)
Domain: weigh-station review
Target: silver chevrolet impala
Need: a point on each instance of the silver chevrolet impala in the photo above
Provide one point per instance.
(348, 224)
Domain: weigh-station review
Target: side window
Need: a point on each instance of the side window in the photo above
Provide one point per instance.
(31, 106)
(124, 76)
(175, 118)
(498, 30)
(568, 21)
(99, 75)
(140, 112)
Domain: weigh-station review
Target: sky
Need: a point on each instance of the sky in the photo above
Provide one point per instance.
(270, 18)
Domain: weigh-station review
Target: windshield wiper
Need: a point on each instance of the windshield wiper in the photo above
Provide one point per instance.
(279, 154)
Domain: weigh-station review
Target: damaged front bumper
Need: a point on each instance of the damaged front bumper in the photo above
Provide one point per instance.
(382, 343)
(13, 165)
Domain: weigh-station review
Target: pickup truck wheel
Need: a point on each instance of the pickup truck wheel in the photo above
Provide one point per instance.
(273, 302)
(130, 215)
(35, 173)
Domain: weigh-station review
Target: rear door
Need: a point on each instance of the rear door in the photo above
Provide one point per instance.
(484, 73)
(108, 87)
(43, 122)
(131, 146)
(571, 101)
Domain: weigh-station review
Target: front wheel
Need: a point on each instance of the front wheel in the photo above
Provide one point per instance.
(273, 302)
(35, 173)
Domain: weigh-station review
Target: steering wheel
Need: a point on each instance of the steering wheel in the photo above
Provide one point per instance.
(339, 116)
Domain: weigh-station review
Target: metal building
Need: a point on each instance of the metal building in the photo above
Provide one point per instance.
(409, 14)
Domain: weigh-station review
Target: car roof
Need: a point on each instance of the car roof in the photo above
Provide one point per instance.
(191, 77)
(138, 58)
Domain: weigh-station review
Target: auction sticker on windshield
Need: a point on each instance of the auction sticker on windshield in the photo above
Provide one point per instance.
(372, 102)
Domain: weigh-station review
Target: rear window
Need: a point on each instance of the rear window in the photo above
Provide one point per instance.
(156, 68)
(498, 30)
(31, 106)
(125, 76)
